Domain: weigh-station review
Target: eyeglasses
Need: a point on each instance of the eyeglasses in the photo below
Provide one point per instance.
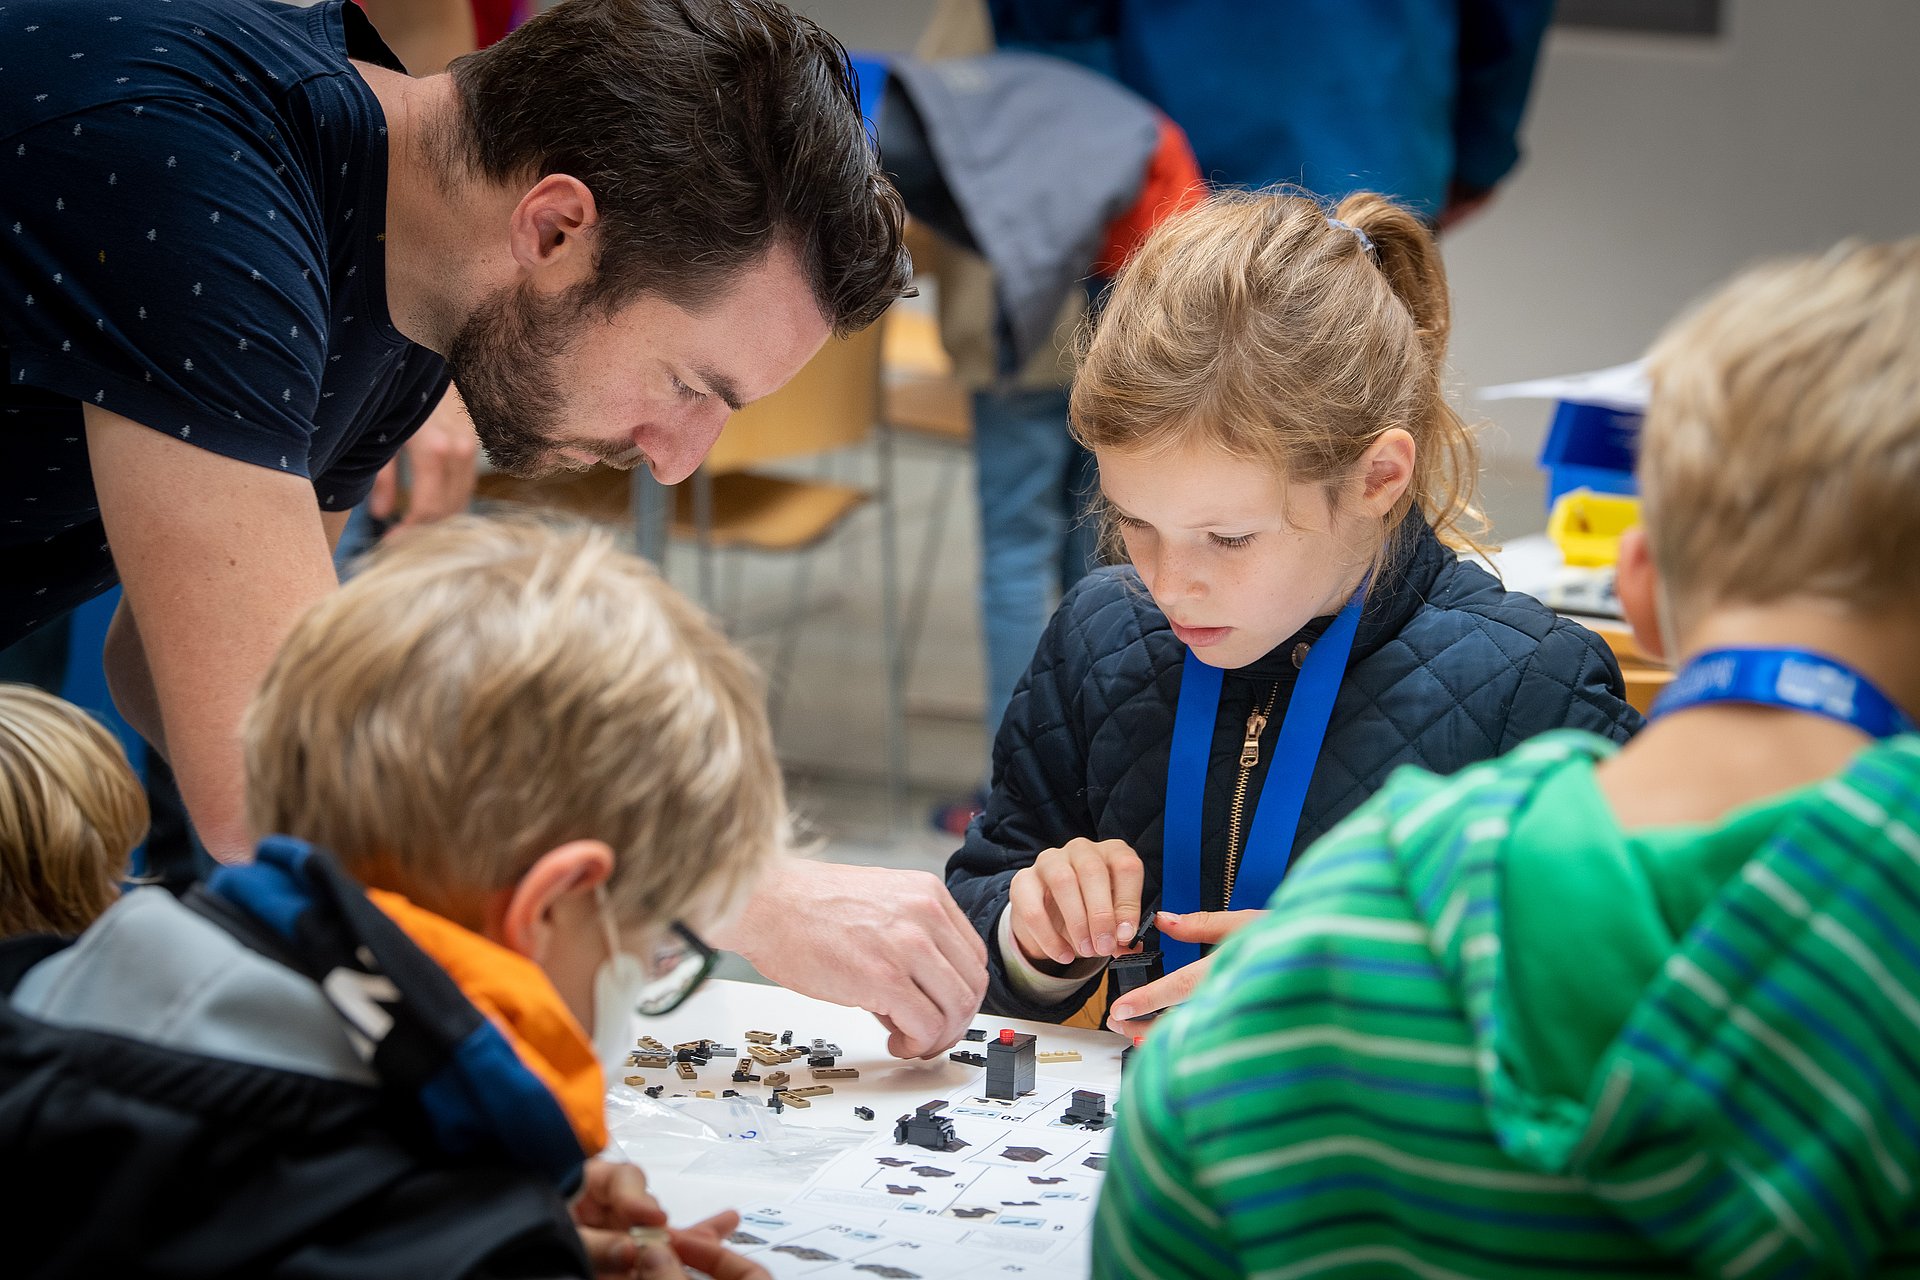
(679, 966)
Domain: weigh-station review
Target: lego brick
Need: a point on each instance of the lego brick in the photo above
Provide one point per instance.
(811, 1091)
(703, 1093)
(1010, 1065)
(927, 1128)
(836, 1073)
(686, 1071)
(1058, 1055)
(760, 1037)
(966, 1059)
(976, 1034)
(1088, 1110)
(793, 1099)
(863, 1113)
(778, 1079)
(635, 1081)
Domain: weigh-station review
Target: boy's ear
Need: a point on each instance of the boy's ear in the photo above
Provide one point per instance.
(1637, 583)
(554, 899)
(1386, 469)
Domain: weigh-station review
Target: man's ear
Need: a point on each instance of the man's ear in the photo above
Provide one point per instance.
(1637, 582)
(554, 898)
(1386, 469)
(549, 228)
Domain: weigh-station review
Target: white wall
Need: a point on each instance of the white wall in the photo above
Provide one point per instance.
(1655, 167)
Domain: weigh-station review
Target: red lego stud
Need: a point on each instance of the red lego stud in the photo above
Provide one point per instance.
(1006, 1035)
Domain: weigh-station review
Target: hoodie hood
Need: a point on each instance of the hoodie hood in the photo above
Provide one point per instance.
(1724, 1046)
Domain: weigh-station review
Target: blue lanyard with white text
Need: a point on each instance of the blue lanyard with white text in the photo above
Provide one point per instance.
(1276, 815)
(1793, 678)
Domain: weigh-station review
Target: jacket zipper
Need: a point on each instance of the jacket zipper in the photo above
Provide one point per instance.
(1249, 757)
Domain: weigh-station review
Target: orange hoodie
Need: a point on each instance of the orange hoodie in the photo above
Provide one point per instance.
(516, 997)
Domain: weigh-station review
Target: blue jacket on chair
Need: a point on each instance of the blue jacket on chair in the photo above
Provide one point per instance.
(1448, 669)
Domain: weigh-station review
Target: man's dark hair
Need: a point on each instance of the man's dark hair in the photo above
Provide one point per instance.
(707, 130)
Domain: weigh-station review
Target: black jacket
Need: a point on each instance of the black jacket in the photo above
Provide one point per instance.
(1447, 669)
(182, 1103)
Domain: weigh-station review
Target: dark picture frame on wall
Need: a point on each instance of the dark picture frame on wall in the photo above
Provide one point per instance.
(1654, 17)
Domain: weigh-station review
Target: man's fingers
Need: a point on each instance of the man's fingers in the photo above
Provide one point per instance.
(915, 1018)
(426, 497)
(959, 942)
(954, 1004)
(386, 492)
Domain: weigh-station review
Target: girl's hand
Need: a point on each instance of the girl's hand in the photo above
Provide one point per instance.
(1077, 902)
(1132, 1014)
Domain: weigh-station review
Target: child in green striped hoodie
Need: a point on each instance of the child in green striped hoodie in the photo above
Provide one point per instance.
(1615, 1012)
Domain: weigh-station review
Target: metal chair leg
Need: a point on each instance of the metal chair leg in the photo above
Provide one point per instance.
(703, 530)
(916, 619)
(652, 518)
(789, 637)
(890, 628)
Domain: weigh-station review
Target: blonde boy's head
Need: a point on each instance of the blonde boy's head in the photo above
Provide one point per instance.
(485, 691)
(71, 812)
(1781, 450)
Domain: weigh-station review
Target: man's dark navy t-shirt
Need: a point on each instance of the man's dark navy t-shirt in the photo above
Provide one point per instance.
(192, 235)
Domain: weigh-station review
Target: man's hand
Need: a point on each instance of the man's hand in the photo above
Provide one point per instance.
(1130, 1013)
(615, 1199)
(891, 942)
(1078, 901)
(441, 457)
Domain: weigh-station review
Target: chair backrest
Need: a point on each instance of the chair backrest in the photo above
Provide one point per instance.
(831, 403)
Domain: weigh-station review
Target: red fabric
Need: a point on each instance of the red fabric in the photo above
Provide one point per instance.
(1172, 183)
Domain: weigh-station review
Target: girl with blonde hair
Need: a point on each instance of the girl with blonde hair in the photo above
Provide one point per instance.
(1283, 472)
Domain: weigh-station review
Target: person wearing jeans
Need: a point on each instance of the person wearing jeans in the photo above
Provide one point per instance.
(1036, 536)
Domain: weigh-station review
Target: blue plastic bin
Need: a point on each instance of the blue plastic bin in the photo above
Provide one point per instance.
(1590, 447)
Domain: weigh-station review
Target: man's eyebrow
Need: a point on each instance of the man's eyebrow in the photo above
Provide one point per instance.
(721, 385)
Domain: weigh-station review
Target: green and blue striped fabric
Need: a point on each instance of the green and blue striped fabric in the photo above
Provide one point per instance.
(1348, 1092)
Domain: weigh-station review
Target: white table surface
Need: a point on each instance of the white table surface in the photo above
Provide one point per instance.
(732, 1173)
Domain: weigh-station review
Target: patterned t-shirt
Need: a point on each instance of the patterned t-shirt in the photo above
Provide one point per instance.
(192, 213)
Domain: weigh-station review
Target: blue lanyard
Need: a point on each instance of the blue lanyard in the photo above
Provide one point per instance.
(1276, 816)
(1792, 678)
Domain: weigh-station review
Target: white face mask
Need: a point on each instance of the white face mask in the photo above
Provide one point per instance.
(617, 984)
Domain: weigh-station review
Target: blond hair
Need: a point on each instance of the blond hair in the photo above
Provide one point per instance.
(1256, 324)
(1781, 450)
(486, 690)
(71, 812)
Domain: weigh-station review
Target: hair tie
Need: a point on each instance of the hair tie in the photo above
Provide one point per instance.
(1366, 241)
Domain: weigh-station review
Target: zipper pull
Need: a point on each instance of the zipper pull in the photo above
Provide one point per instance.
(1250, 746)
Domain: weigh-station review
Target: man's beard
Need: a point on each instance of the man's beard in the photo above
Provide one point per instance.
(504, 361)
